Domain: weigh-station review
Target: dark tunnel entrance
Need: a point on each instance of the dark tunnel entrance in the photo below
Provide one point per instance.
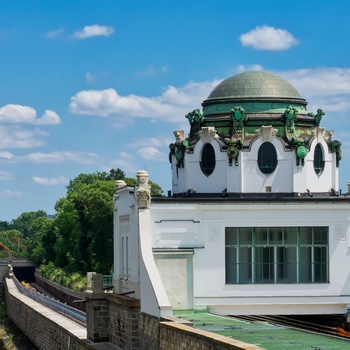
(24, 273)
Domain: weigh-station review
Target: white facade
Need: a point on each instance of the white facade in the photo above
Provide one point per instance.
(255, 223)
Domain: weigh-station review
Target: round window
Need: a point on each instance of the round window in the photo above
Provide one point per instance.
(267, 158)
(208, 159)
(318, 159)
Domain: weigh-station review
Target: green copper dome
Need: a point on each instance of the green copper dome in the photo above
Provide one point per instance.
(255, 92)
(252, 85)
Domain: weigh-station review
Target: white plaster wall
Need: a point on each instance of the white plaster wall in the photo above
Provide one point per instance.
(209, 261)
(124, 209)
(325, 181)
(247, 177)
(281, 180)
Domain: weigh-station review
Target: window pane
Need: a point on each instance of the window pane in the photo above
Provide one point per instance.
(290, 235)
(306, 235)
(286, 267)
(208, 159)
(318, 159)
(267, 158)
(261, 236)
(264, 266)
(231, 265)
(245, 236)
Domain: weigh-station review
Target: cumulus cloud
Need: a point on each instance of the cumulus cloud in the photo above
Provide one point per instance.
(268, 38)
(61, 180)
(172, 105)
(60, 157)
(326, 88)
(94, 30)
(18, 114)
(10, 193)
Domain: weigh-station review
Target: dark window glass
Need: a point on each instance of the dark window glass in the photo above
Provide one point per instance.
(276, 255)
(267, 158)
(318, 159)
(208, 159)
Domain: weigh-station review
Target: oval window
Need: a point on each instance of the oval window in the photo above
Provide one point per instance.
(267, 158)
(208, 159)
(318, 160)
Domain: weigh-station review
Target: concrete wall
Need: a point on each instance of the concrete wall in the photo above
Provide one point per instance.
(65, 295)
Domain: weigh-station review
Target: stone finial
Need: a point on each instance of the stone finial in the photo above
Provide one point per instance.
(119, 184)
(179, 135)
(143, 193)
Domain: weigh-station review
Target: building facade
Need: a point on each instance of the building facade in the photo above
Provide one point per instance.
(255, 223)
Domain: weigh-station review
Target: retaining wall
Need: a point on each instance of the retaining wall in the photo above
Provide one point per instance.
(45, 328)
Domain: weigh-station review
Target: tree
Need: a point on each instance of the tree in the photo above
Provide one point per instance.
(23, 222)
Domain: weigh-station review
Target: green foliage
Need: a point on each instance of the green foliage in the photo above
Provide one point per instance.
(80, 236)
(74, 281)
(11, 244)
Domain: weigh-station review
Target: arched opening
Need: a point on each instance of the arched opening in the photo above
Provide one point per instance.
(318, 159)
(267, 158)
(208, 159)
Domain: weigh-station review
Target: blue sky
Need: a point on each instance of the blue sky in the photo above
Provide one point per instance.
(92, 85)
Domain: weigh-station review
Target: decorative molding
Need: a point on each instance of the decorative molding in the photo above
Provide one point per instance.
(207, 133)
(266, 133)
(322, 134)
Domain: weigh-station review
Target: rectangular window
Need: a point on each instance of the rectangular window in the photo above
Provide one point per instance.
(276, 255)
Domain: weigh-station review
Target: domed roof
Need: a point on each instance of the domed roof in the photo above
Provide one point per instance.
(254, 85)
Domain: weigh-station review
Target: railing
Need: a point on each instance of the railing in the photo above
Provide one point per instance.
(53, 304)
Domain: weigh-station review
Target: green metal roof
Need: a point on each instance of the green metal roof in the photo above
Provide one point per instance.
(262, 334)
(252, 85)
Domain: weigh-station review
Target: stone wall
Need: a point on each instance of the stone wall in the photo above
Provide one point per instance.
(124, 313)
(42, 330)
(115, 319)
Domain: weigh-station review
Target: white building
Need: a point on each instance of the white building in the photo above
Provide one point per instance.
(255, 223)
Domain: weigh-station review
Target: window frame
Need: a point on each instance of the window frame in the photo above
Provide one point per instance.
(267, 158)
(277, 255)
(208, 159)
(319, 162)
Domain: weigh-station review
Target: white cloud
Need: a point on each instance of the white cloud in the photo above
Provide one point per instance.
(49, 118)
(60, 157)
(10, 193)
(153, 141)
(151, 153)
(94, 30)
(5, 176)
(172, 105)
(61, 180)
(268, 38)
(18, 114)
(6, 155)
(16, 137)
(326, 88)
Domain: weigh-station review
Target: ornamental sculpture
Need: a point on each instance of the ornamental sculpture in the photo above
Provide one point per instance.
(143, 193)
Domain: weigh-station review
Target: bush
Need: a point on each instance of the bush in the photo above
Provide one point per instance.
(74, 280)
